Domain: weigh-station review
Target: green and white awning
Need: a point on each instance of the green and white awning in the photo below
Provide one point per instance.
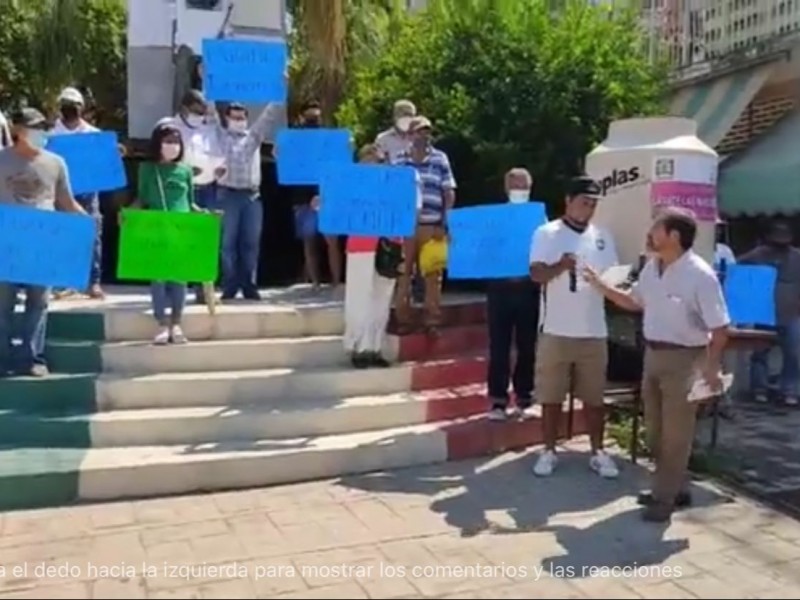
(716, 104)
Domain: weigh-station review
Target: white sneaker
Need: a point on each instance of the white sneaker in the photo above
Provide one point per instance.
(162, 337)
(602, 464)
(545, 464)
(497, 415)
(523, 414)
(790, 401)
(177, 336)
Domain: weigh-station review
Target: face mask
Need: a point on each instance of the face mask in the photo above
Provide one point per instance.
(519, 196)
(402, 124)
(37, 138)
(170, 151)
(237, 126)
(312, 122)
(195, 120)
(70, 112)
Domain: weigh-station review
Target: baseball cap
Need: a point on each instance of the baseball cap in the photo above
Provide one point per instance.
(421, 123)
(585, 186)
(405, 107)
(29, 117)
(70, 94)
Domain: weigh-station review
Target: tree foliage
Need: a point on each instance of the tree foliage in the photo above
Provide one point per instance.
(46, 45)
(509, 83)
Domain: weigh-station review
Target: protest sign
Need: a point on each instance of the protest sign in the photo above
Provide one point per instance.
(304, 153)
(94, 163)
(371, 200)
(244, 70)
(488, 242)
(44, 247)
(163, 246)
(750, 294)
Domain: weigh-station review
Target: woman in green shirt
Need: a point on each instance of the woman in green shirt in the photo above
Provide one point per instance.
(165, 183)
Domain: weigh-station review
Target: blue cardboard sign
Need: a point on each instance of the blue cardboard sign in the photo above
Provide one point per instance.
(368, 200)
(304, 153)
(488, 242)
(244, 71)
(45, 247)
(94, 163)
(750, 294)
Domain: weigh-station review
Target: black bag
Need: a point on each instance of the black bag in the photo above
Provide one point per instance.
(389, 258)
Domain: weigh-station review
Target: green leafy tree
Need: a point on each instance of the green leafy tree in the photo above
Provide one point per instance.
(46, 45)
(510, 82)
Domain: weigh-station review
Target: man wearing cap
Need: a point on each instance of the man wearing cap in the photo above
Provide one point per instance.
(572, 351)
(70, 120)
(202, 152)
(438, 188)
(397, 139)
(33, 177)
(686, 330)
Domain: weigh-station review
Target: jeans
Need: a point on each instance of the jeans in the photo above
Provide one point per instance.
(91, 204)
(513, 312)
(205, 196)
(788, 340)
(241, 240)
(168, 295)
(33, 329)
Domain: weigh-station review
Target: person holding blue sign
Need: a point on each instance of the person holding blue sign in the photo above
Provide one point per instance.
(33, 177)
(685, 327)
(438, 196)
(513, 314)
(70, 107)
(239, 197)
(778, 251)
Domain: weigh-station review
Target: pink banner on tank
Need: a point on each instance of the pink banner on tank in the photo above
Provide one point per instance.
(699, 198)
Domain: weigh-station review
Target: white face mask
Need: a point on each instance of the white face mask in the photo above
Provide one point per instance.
(402, 124)
(237, 126)
(170, 151)
(519, 196)
(195, 120)
(37, 138)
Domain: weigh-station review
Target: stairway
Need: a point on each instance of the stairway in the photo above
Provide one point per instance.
(263, 395)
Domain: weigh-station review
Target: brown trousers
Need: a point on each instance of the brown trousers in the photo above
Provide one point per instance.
(433, 282)
(670, 417)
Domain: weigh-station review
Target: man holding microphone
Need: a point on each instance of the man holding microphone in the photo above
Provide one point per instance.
(685, 329)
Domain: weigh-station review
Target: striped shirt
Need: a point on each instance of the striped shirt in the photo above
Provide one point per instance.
(242, 150)
(435, 178)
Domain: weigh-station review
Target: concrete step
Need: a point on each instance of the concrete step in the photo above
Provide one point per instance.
(291, 312)
(141, 358)
(42, 477)
(271, 419)
(248, 387)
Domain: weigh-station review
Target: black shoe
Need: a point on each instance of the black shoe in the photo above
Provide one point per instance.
(657, 512)
(228, 296)
(252, 295)
(376, 360)
(360, 360)
(682, 500)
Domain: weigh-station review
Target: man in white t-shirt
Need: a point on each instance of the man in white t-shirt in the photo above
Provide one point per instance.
(572, 351)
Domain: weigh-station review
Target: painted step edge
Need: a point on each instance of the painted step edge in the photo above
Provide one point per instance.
(136, 324)
(140, 357)
(248, 387)
(112, 474)
(272, 420)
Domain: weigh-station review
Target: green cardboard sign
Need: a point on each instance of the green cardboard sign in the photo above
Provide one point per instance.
(163, 246)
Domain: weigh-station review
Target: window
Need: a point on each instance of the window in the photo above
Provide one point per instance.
(204, 4)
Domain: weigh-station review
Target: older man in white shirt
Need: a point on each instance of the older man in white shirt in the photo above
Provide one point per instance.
(396, 140)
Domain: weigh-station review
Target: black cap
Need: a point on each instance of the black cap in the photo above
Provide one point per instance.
(29, 117)
(585, 186)
(193, 97)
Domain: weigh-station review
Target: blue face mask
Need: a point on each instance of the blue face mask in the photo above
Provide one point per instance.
(37, 138)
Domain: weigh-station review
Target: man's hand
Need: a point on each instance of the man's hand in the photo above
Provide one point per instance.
(314, 203)
(712, 374)
(591, 277)
(567, 261)
(439, 233)
(123, 151)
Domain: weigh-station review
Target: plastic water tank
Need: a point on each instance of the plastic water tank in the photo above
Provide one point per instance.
(646, 164)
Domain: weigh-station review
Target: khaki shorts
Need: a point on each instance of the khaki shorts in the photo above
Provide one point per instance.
(556, 355)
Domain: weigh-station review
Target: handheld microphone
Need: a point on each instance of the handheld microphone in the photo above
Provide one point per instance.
(573, 280)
